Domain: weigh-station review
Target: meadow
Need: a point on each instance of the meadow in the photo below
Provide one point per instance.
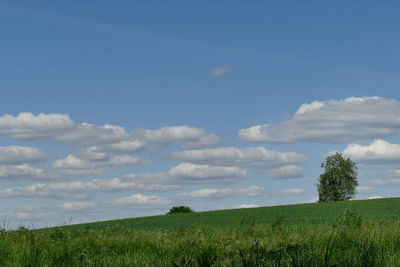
(351, 233)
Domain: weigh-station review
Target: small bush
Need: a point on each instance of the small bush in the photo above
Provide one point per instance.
(180, 209)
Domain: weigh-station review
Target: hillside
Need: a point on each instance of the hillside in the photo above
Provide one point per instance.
(315, 213)
(310, 235)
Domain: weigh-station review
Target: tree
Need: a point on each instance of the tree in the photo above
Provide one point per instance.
(180, 209)
(339, 181)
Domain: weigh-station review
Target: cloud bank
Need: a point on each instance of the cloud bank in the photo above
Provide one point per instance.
(354, 119)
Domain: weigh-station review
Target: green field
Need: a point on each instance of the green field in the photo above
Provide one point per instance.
(315, 213)
(352, 233)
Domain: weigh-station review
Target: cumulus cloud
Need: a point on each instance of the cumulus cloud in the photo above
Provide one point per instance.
(292, 192)
(71, 162)
(34, 215)
(73, 165)
(314, 200)
(78, 205)
(386, 182)
(89, 134)
(255, 157)
(252, 191)
(218, 71)
(140, 200)
(21, 172)
(354, 119)
(213, 194)
(365, 189)
(105, 139)
(28, 126)
(378, 154)
(17, 155)
(59, 127)
(285, 172)
(128, 146)
(80, 189)
(44, 190)
(246, 206)
(375, 197)
(190, 137)
(187, 173)
(195, 172)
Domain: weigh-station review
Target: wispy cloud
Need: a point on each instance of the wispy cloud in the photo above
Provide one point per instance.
(218, 71)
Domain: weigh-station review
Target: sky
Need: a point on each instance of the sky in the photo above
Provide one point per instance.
(119, 109)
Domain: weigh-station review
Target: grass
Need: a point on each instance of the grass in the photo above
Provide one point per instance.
(355, 233)
(315, 213)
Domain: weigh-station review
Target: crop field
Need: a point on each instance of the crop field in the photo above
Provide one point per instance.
(315, 213)
(352, 233)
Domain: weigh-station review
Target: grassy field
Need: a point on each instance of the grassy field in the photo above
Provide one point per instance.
(315, 213)
(354, 233)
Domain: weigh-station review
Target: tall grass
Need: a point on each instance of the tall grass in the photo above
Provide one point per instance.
(346, 241)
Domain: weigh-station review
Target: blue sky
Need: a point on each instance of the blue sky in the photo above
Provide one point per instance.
(189, 88)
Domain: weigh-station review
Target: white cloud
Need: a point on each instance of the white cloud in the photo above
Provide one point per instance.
(314, 200)
(378, 154)
(71, 162)
(107, 138)
(116, 184)
(187, 173)
(195, 172)
(94, 153)
(218, 71)
(128, 146)
(310, 107)
(80, 189)
(189, 136)
(365, 189)
(76, 205)
(212, 194)
(350, 120)
(59, 127)
(285, 172)
(17, 155)
(89, 134)
(29, 126)
(21, 172)
(75, 166)
(255, 157)
(34, 215)
(125, 160)
(292, 192)
(375, 197)
(208, 140)
(46, 190)
(385, 182)
(246, 206)
(141, 200)
(390, 178)
(393, 173)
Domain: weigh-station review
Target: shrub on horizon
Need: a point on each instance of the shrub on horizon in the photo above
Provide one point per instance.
(180, 209)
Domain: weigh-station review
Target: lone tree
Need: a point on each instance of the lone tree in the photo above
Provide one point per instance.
(339, 181)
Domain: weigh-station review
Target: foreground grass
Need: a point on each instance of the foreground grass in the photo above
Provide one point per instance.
(349, 240)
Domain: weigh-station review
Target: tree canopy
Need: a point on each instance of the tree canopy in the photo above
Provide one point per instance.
(339, 181)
